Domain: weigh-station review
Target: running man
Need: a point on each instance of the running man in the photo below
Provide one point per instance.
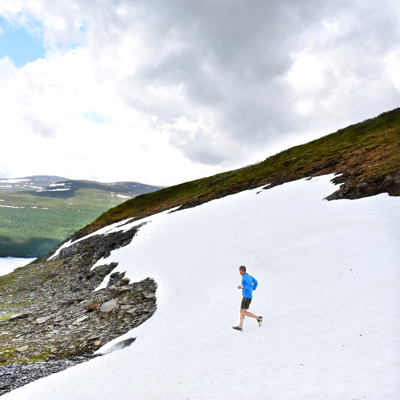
(249, 283)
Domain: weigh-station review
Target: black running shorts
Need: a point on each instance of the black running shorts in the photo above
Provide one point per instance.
(245, 303)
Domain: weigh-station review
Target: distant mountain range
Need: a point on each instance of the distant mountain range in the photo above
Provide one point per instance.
(38, 212)
(52, 186)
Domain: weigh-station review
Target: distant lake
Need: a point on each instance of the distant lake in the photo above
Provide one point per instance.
(8, 264)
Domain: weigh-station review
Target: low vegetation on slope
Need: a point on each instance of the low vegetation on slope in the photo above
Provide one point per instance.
(367, 155)
(32, 221)
(33, 225)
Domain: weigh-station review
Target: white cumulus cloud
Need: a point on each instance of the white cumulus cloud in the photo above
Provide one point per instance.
(170, 91)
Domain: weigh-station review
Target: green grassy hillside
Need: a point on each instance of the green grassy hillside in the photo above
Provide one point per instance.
(43, 222)
(35, 215)
(367, 155)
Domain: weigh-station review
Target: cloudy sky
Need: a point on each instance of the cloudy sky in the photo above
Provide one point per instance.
(168, 91)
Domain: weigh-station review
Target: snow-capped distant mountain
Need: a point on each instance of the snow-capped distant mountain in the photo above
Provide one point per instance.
(45, 184)
(119, 187)
(29, 183)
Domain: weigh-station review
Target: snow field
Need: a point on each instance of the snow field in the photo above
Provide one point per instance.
(329, 286)
(9, 264)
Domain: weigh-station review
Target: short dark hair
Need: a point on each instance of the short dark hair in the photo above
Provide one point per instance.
(242, 268)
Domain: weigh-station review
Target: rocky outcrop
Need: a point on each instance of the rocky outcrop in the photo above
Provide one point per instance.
(50, 311)
(354, 187)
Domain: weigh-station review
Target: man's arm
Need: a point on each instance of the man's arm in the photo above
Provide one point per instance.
(255, 283)
(243, 281)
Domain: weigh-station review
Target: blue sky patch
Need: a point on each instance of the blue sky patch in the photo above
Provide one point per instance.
(19, 45)
(92, 116)
(76, 40)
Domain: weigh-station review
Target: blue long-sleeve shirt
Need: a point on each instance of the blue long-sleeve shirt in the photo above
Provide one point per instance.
(249, 283)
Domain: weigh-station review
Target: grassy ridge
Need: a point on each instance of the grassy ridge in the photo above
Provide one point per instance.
(367, 153)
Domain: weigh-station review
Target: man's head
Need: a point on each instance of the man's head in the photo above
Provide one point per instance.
(242, 270)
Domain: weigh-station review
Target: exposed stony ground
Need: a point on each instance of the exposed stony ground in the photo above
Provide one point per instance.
(49, 311)
(13, 376)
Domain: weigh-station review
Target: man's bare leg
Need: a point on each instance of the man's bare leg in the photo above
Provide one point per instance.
(244, 313)
(249, 314)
